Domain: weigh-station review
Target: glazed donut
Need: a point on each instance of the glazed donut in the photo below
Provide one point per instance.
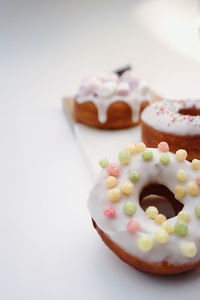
(143, 237)
(176, 122)
(111, 102)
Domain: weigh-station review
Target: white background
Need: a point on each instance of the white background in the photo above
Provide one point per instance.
(48, 248)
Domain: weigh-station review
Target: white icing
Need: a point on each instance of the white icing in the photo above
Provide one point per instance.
(164, 116)
(126, 88)
(150, 172)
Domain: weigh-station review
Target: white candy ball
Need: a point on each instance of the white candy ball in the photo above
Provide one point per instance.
(107, 89)
(127, 76)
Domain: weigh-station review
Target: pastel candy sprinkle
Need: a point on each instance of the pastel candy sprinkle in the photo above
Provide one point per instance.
(113, 169)
(134, 175)
(197, 211)
(131, 148)
(197, 180)
(124, 157)
(181, 175)
(192, 188)
(163, 147)
(160, 218)
(129, 208)
(147, 155)
(133, 226)
(179, 192)
(184, 216)
(196, 164)
(145, 243)
(109, 211)
(168, 227)
(111, 182)
(181, 228)
(141, 147)
(189, 249)
(165, 159)
(127, 187)
(161, 236)
(114, 195)
(151, 212)
(103, 163)
(107, 89)
(181, 155)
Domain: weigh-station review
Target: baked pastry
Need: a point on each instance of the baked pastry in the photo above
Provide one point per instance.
(176, 122)
(112, 101)
(143, 237)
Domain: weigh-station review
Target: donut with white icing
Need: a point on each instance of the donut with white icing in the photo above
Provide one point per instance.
(143, 237)
(176, 122)
(112, 101)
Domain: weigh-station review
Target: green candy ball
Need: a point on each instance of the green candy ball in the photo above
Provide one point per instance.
(134, 175)
(147, 155)
(197, 211)
(130, 208)
(103, 163)
(165, 159)
(124, 157)
(181, 228)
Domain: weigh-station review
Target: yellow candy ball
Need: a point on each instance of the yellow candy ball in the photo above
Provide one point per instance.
(141, 147)
(111, 182)
(160, 218)
(168, 227)
(161, 236)
(127, 187)
(196, 164)
(145, 243)
(114, 195)
(151, 212)
(184, 216)
(179, 192)
(192, 188)
(189, 249)
(131, 148)
(181, 155)
(181, 175)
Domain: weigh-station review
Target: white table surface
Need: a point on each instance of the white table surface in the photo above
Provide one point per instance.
(48, 248)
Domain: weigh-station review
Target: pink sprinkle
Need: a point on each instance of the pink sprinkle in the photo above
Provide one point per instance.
(113, 169)
(190, 119)
(109, 211)
(163, 146)
(198, 180)
(133, 226)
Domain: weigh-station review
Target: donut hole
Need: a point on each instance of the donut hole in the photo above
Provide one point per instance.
(192, 111)
(161, 197)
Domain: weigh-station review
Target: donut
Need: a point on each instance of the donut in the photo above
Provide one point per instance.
(146, 208)
(176, 122)
(113, 101)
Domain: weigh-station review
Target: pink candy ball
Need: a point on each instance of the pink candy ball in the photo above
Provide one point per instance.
(123, 89)
(163, 146)
(133, 226)
(113, 169)
(198, 180)
(89, 85)
(109, 211)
